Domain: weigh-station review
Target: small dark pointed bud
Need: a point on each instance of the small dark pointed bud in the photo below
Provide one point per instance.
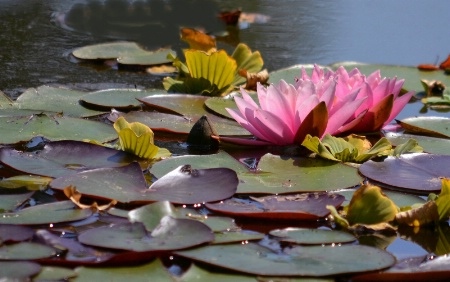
(200, 135)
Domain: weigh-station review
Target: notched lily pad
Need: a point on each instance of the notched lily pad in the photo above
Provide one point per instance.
(418, 172)
(170, 234)
(306, 206)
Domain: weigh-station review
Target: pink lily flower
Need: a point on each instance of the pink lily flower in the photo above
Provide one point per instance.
(287, 113)
(383, 101)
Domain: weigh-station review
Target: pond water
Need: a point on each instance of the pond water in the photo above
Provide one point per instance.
(35, 45)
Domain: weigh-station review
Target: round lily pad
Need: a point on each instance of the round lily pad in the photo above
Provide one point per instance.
(61, 158)
(20, 270)
(170, 234)
(419, 172)
(434, 126)
(429, 144)
(25, 251)
(307, 236)
(119, 99)
(14, 233)
(300, 261)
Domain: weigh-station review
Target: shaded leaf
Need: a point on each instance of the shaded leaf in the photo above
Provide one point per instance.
(434, 126)
(14, 233)
(18, 269)
(307, 236)
(25, 251)
(429, 144)
(54, 273)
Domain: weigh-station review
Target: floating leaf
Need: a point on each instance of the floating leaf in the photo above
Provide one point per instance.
(195, 274)
(198, 40)
(31, 182)
(25, 251)
(419, 172)
(423, 215)
(75, 196)
(154, 270)
(64, 158)
(434, 126)
(54, 99)
(187, 185)
(55, 273)
(370, 206)
(299, 261)
(429, 144)
(136, 138)
(170, 234)
(14, 233)
(53, 128)
(307, 236)
(9, 202)
(128, 53)
(242, 236)
(20, 270)
(119, 99)
(63, 211)
(306, 206)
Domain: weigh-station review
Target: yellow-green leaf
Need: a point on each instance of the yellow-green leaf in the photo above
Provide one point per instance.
(443, 201)
(370, 206)
(246, 60)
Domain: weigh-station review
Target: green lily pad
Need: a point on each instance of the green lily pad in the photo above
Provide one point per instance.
(243, 236)
(18, 270)
(154, 271)
(54, 99)
(198, 274)
(306, 206)
(170, 234)
(418, 172)
(219, 105)
(53, 128)
(429, 144)
(434, 126)
(9, 202)
(300, 261)
(54, 273)
(307, 236)
(119, 99)
(128, 53)
(277, 174)
(25, 251)
(61, 158)
(57, 212)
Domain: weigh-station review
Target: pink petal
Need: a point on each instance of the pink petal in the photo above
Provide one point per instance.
(398, 106)
(248, 99)
(341, 116)
(275, 129)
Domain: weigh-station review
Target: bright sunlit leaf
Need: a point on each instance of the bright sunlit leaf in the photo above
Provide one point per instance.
(198, 40)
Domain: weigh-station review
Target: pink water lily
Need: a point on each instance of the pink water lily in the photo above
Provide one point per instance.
(383, 100)
(287, 113)
(325, 102)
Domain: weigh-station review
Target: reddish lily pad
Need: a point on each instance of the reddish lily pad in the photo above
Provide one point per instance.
(61, 158)
(18, 270)
(300, 261)
(57, 212)
(170, 234)
(306, 206)
(190, 186)
(419, 172)
(307, 236)
(434, 126)
(14, 233)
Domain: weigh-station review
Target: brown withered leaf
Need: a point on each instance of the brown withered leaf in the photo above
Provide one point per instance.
(75, 196)
(198, 40)
(423, 215)
(445, 64)
(230, 17)
(433, 87)
(253, 78)
(427, 67)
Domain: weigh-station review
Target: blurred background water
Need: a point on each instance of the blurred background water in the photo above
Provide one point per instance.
(37, 37)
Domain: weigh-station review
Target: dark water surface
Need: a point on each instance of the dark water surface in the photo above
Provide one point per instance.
(34, 48)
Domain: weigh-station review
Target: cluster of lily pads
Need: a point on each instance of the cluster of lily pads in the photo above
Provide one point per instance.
(86, 187)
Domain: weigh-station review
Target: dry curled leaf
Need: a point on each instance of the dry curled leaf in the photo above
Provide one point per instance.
(445, 64)
(198, 40)
(75, 196)
(253, 78)
(423, 215)
(433, 87)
